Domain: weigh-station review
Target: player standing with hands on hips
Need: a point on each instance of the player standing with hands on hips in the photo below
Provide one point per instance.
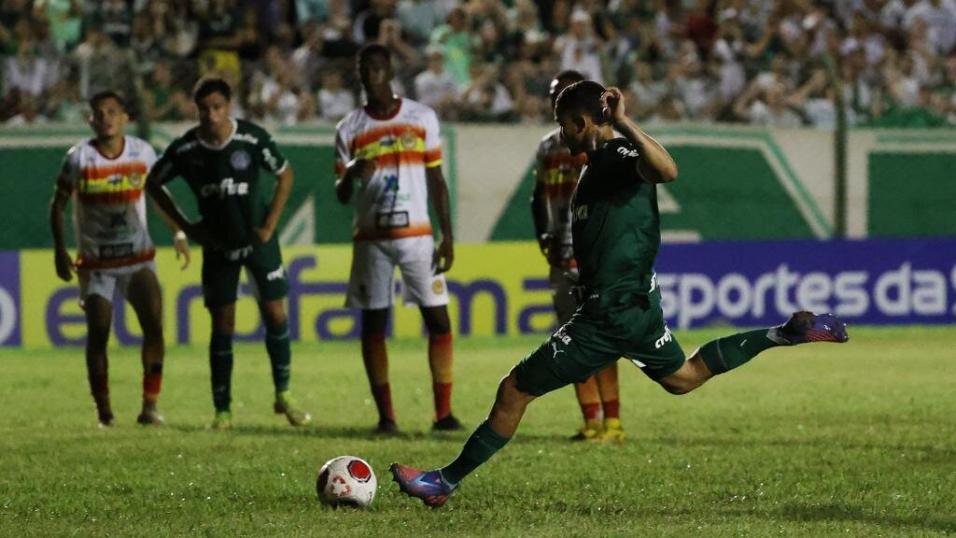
(389, 151)
(616, 230)
(220, 161)
(105, 177)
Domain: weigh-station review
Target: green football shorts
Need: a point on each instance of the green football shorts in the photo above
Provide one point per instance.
(263, 263)
(598, 334)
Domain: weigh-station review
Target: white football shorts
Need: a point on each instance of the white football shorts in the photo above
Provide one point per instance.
(371, 284)
(104, 282)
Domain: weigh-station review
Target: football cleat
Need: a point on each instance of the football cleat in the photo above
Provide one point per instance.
(285, 406)
(429, 486)
(150, 417)
(613, 431)
(447, 424)
(386, 426)
(222, 421)
(591, 431)
(104, 417)
(804, 327)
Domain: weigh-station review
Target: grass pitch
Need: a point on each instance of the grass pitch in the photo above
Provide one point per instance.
(853, 440)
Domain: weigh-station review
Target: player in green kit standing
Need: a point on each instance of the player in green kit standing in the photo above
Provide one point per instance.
(220, 160)
(616, 235)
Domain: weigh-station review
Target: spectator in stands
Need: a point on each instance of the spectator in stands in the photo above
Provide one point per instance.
(771, 110)
(940, 16)
(27, 73)
(275, 97)
(367, 24)
(580, 49)
(164, 99)
(334, 100)
(114, 18)
(486, 99)
(455, 41)
(308, 60)
(219, 43)
(645, 93)
(100, 65)
(419, 18)
(434, 87)
(65, 18)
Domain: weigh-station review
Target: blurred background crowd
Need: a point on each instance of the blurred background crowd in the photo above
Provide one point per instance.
(781, 63)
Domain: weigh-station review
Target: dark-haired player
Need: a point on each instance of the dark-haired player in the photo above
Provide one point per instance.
(388, 158)
(105, 176)
(220, 160)
(616, 228)
(556, 173)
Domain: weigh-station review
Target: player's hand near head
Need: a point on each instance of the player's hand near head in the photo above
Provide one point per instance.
(64, 265)
(443, 256)
(181, 244)
(613, 102)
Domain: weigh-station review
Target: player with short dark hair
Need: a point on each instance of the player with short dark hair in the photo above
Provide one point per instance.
(556, 174)
(104, 175)
(220, 160)
(390, 149)
(616, 229)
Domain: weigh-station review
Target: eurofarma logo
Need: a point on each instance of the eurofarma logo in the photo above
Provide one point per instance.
(9, 299)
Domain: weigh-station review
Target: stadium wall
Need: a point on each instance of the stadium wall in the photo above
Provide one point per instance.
(736, 183)
(501, 289)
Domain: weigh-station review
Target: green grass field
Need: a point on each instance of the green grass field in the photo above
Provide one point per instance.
(853, 440)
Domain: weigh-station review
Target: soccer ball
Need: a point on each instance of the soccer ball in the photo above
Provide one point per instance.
(346, 480)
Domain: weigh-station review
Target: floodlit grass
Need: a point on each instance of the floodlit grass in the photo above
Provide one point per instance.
(853, 440)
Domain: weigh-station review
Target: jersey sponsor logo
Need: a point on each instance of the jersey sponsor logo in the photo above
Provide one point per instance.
(271, 160)
(581, 212)
(395, 219)
(237, 254)
(278, 274)
(659, 343)
(226, 187)
(240, 160)
(120, 250)
(630, 153)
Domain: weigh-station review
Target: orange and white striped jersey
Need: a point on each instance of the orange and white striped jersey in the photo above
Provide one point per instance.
(394, 203)
(558, 171)
(109, 212)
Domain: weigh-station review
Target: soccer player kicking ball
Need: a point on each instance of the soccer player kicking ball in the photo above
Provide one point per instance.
(556, 174)
(616, 229)
(220, 161)
(105, 176)
(390, 149)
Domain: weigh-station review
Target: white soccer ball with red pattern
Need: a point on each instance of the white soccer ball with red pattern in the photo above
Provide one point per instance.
(346, 480)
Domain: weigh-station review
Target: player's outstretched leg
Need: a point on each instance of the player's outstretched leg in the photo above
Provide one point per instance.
(99, 314)
(144, 295)
(434, 487)
(280, 358)
(724, 354)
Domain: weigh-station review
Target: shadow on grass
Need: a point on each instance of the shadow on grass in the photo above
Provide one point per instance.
(845, 512)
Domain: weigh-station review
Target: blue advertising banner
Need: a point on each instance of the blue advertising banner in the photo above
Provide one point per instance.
(9, 299)
(760, 283)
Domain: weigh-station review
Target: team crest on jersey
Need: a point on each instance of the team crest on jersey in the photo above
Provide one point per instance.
(581, 212)
(408, 138)
(438, 286)
(136, 180)
(240, 160)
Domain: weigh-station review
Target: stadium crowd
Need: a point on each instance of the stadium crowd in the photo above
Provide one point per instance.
(763, 62)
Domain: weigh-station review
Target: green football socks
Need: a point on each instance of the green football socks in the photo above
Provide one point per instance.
(220, 364)
(725, 354)
(479, 448)
(280, 355)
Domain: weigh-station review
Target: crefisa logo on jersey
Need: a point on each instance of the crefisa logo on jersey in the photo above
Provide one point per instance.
(240, 160)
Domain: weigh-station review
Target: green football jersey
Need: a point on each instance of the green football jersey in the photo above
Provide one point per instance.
(616, 225)
(233, 199)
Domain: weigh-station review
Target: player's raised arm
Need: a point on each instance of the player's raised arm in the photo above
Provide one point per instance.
(61, 194)
(656, 164)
